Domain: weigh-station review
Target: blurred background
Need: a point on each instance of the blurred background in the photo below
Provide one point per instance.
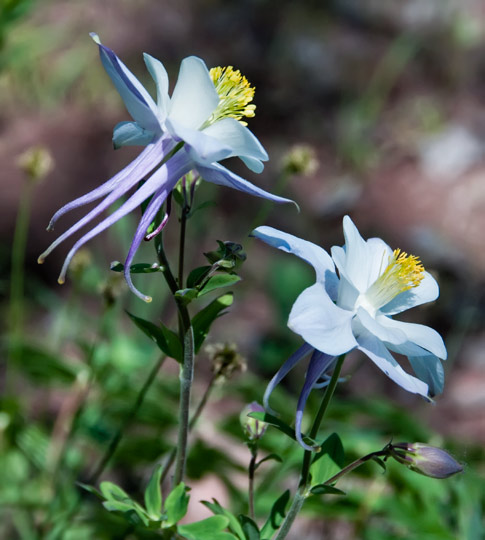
(368, 108)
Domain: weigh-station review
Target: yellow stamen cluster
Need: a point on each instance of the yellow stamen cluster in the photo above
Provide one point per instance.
(403, 272)
(235, 95)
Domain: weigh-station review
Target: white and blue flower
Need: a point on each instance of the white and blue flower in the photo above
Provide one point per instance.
(195, 128)
(357, 291)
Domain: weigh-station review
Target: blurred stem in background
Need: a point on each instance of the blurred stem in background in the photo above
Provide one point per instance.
(36, 163)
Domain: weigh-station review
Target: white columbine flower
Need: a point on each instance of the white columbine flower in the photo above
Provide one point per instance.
(358, 290)
(198, 126)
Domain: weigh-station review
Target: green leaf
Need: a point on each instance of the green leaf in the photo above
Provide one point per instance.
(91, 489)
(218, 281)
(185, 296)
(153, 494)
(176, 505)
(131, 510)
(280, 425)
(112, 492)
(329, 460)
(270, 457)
(234, 524)
(202, 321)
(250, 528)
(276, 516)
(323, 489)
(197, 275)
(140, 268)
(207, 529)
(167, 341)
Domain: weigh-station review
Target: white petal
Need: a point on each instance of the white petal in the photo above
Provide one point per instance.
(357, 263)
(159, 75)
(194, 97)
(202, 149)
(382, 358)
(131, 134)
(309, 252)
(426, 291)
(378, 256)
(321, 323)
(384, 333)
(421, 335)
(238, 137)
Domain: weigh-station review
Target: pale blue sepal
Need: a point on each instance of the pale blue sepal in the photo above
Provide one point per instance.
(137, 100)
(421, 335)
(243, 143)
(217, 174)
(283, 371)
(321, 323)
(430, 370)
(160, 76)
(194, 97)
(427, 291)
(253, 164)
(309, 252)
(319, 363)
(383, 359)
(131, 134)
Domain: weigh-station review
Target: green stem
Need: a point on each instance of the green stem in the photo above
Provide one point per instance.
(307, 458)
(251, 471)
(133, 412)
(302, 491)
(357, 463)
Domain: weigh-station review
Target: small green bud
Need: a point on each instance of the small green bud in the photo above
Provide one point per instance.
(37, 162)
(300, 159)
(424, 459)
(253, 428)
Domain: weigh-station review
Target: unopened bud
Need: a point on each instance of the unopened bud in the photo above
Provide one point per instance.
(424, 459)
(36, 162)
(225, 359)
(253, 428)
(300, 159)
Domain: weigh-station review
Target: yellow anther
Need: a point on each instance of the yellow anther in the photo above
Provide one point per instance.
(403, 272)
(235, 95)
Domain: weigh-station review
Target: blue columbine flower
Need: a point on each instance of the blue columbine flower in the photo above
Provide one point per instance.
(197, 127)
(358, 290)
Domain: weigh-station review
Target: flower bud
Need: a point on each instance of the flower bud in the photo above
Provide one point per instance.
(253, 428)
(37, 162)
(424, 459)
(225, 360)
(300, 159)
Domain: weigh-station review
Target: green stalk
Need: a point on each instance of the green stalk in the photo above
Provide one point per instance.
(302, 492)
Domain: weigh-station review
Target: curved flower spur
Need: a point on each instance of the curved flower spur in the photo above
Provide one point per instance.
(197, 127)
(358, 290)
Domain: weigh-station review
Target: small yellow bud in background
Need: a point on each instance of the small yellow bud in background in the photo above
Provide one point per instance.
(36, 162)
(301, 159)
(225, 360)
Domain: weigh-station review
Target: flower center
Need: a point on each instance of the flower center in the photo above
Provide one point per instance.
(403, 272)
(235, 95)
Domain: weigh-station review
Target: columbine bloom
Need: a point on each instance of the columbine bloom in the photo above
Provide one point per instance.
(358, 290)
(197, 127)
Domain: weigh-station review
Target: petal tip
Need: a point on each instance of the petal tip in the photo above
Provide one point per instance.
(61, 280)
(40, 259)
(95, 37)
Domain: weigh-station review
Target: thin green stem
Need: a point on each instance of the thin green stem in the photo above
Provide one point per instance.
(251, 471)
(307, 458)
(357, 463)
(183, 226)
(115, 441)
(302, 491)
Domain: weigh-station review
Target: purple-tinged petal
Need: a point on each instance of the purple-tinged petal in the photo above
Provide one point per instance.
(321, 323)
(131, 134)
(166, 176)
(194, 97)
(426, 291)
(382, 358)
(139, 167)
(145, 221)
(217, 174)
(164, 221)
(319, 363)
(309, 252)
(137, 100)
(283, 371)
(430, 370)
